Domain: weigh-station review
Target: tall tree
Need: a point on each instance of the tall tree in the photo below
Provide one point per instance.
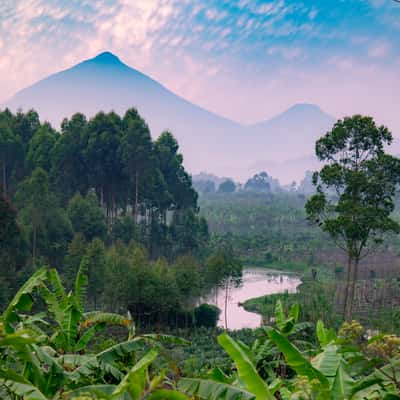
(10, 146)
(34, 200)
(69, 170)
(40, 147)
(101, 151)
(12, 249)
(95, 264)
(25, 125)
(87, 217)
(178, 181)
(363, 178)
(136, 151)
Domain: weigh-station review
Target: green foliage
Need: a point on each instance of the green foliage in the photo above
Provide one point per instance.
(206, 315)
(227, 186)
(363, 178)
(40, 147)
(258, 183)
(12, 250)
(101, 178)
(265, 228)
(56, 363)
(87, 217)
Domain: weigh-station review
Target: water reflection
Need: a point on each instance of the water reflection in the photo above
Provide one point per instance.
(256, 282)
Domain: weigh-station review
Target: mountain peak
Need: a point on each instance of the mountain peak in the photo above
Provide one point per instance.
(304, 107)
(106, 57)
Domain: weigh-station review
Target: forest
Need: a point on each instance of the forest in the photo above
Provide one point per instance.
(108, 252)
(102, 193)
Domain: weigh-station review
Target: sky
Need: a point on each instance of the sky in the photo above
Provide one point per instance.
(244, 59)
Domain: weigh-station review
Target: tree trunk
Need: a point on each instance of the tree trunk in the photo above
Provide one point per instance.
(226, 303)
(136, 196)
(4, 181)
(353, 288)
(346, 294)
(34, 246)
(101, 197)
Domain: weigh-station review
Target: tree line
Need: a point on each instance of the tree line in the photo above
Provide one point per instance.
(85, 193)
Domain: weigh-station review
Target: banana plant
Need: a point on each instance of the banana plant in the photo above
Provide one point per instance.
(269, 359)
(22, 301)
(246, 385)
(137, 384)
(73, 329)
(328, 375)
(35, 365)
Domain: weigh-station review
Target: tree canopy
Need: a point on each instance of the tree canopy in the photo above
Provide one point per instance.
(355, 189)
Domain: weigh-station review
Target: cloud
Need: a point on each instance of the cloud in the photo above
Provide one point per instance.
(289, 53)
(208, 50)
(379, 50)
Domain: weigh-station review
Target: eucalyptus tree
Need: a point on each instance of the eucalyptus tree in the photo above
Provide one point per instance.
(86, 216)
(101, 152)
(10, 147)
(136, 151)
(355, 191)
(40, 148)
(178, 181)
(34, 201)
(12, 250)
(25, 125)
(69, 167)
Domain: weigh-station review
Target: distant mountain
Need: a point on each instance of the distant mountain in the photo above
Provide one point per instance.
(208, 141)
(291, 134)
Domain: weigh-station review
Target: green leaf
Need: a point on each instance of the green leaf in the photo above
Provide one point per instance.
(325, 336)
(97, 317)
(81, 283)
(119, 351)
(246, 370)
(210, 390)
(164, 394)
(217, 375)
(294, 312)
(70, 326)
(134, 380)
(328, 361)
(23, 298)
(100, 391)
(88, 336)
(17, 339)
(280, 317)
(20, 386)
(342, 384)
(169, 339)
(295, 359)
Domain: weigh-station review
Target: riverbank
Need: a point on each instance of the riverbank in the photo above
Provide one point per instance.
(315, 294)
(255, 282)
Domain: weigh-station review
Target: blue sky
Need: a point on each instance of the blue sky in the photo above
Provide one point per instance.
(244, 59)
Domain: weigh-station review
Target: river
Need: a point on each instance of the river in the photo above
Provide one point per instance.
(256, 282)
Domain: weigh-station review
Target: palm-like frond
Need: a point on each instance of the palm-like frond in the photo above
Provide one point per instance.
(81, 283)
(96, 317)
(205, 389)
(19, 386)
(22, 301)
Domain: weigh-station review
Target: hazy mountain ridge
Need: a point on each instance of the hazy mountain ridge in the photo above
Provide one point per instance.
(208, 141)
